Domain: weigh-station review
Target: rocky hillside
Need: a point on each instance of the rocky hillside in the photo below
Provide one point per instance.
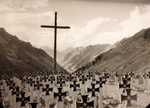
(130, 54)
(80, 56)
(19, 56)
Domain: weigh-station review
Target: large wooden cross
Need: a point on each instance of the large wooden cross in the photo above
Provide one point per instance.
(55, 36)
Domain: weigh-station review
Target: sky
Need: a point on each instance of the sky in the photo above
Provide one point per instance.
(91, 21)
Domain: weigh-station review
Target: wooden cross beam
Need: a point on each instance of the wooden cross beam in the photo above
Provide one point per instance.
(55, 36)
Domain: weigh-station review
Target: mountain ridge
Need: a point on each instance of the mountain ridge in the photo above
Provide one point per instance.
(60, 54)
(81, 55)
(20, 56)
(130, 54)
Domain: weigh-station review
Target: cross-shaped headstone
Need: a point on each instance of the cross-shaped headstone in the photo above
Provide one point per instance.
(83, 79)
(28, 81)
(70, 78)
(23, 99)
(126, 78)
(100, 82)
(45, 78)
(63, 77)
(129, 97)
(144, 76)
(55, 37)
(106, 76)
(12, 86)
(38, 85)
(116, 74)
(25, 80)
(148, 74)
(51, 79)
(32, 82)
(60, 94)
(131, 74)
(17, 92)
(74, 85)
(61, 82)
(85, 103)
(125, 85)
(78, 74)
(89, 75)
(47, 89)
(10, 83)
(93, 89)
(137, 76)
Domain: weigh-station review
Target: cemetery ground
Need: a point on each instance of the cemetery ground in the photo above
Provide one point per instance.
(111, 91)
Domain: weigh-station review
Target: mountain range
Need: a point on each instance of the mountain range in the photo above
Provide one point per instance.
(130, 54)
(19, 56)
(79, 56)
(60, 54)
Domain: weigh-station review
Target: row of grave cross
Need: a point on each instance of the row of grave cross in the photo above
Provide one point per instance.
(76, 90)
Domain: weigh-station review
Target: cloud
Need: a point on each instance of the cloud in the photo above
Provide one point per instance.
(92, 34)
(3, 6)
(82, 36)
(139, 19)
(25, 4)
(22, 5)
(18, 17)
(92, 26)
(26, 25)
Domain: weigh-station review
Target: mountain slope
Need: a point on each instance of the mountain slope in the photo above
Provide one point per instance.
(130, 54)
(60, 54)
(80, 56)
(19, 56)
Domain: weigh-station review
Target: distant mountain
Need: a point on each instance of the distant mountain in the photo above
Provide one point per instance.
(48, 50)
(19, 56)
(80, 56)
(60, 54)
(130, 54)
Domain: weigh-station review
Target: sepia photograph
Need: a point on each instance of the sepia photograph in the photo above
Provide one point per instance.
(74, 53)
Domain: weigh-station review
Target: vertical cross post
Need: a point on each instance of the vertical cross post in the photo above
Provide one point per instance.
(55, 42)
